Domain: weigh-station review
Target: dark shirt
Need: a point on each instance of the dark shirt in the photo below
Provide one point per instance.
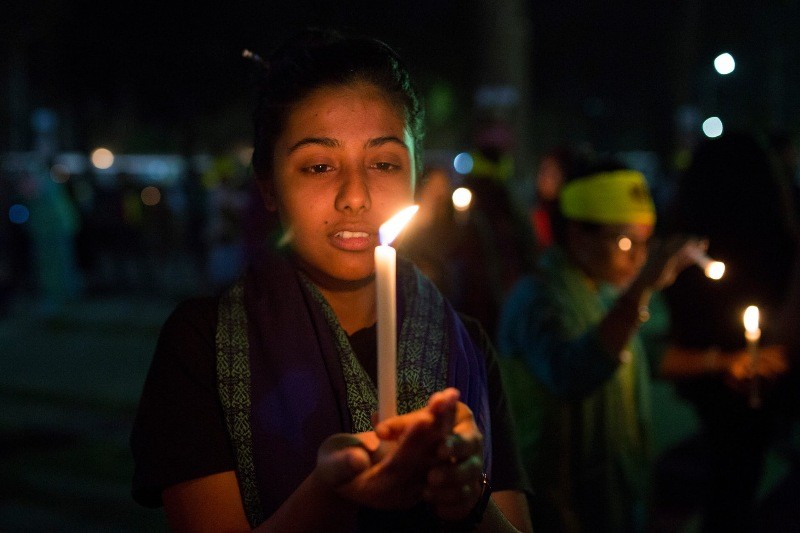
(180, 434)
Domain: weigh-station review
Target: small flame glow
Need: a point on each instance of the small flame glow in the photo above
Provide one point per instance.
(715, 270)
(751, 319)
(390, 229)
(625, 244)
(462, 198)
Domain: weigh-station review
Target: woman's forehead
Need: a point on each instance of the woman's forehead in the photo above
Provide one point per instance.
(347, 112)
(351, 97)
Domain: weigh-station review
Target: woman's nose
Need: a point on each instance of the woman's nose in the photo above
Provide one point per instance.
(353, 193)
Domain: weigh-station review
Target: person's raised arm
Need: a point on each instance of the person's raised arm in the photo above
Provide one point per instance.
(665, 262)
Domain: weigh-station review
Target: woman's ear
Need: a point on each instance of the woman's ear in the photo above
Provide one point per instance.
(268, 194)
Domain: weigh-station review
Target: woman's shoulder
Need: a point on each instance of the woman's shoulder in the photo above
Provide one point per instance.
(474, 328)
(188, 334)
(193, 313)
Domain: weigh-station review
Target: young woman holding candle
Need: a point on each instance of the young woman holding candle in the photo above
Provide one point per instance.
(257, 411)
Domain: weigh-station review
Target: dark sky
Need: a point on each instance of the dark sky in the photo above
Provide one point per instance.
(168, 64)
(164, 75)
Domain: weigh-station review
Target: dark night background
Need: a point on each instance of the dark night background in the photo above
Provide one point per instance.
(167, 78)
(145, 76)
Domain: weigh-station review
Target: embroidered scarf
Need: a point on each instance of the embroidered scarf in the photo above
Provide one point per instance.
(288, 378)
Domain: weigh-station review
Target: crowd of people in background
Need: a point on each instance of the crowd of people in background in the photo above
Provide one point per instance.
(116, 232)
(525, 271)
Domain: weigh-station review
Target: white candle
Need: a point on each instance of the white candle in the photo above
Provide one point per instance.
(752, 334)
(386, 287)
(713, 269)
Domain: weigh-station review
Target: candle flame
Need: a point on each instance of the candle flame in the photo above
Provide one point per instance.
(390, 229)
(712, 269)
(751, 319)
(462, 198)
(715, 269)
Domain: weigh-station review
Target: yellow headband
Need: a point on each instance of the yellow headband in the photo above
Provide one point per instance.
(615, 197)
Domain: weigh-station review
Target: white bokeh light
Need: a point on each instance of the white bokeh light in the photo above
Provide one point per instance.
(462, 198)
(724, 63)
(712, 127)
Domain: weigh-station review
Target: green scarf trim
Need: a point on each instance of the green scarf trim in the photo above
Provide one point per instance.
(422, 333)
(422, 368)
(233, 386)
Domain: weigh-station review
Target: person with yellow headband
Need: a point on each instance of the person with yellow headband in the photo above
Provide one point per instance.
(573, 354)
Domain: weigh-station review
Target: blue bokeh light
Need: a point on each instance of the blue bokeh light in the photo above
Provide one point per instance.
(18, 214)
(463, 163)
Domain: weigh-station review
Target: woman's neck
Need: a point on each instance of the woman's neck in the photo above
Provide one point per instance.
(353, 302)
(354, 307)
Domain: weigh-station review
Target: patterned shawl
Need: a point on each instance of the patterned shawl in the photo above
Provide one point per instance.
(288, 378)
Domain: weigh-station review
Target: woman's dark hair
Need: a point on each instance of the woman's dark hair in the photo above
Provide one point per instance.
(324, 58)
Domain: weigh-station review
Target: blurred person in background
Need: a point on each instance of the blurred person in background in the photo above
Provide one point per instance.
(731, 195)
(52, 228)
(553, 168)
(570, 339)
(14, 243)
(429, 239)
(783, 146)
(228, 202)
(494, 249)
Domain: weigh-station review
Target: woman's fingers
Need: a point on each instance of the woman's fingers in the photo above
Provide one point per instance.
(341, 458)
(454, 488)
(440, 413)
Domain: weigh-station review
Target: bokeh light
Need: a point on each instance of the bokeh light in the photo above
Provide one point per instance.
(463, 163)
(715, 270)
(712, 127)
(724, 63)
(624, 244)
(150, 195)
(18, 214)
(102, 158)
(462, 198)
(59, 173)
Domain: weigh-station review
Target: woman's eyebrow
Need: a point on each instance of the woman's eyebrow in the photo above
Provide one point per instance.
(327, 142)
(380, 141)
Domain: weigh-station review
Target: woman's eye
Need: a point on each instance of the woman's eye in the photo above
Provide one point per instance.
(385, 167)
(319, 169)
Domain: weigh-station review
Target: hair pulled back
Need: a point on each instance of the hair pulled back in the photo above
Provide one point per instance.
(325, 58)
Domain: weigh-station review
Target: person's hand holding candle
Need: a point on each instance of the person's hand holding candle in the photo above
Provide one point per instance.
(389, 468)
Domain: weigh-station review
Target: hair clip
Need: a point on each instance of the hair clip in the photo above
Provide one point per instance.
(247, 54)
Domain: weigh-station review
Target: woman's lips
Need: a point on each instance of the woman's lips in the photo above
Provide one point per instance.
(352, 241)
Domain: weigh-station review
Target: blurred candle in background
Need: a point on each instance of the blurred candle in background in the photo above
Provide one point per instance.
(752, 334)
(713, 269)
(462, 199)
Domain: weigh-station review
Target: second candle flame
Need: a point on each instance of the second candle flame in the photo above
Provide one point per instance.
(751, 316)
